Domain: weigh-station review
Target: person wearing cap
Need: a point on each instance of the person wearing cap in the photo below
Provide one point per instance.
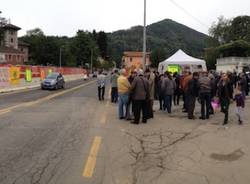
(140, 96)
(123, 91)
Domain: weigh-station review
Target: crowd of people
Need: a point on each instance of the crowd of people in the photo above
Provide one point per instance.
(137, 91)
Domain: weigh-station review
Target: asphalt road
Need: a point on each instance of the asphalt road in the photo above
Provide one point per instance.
(49, 141)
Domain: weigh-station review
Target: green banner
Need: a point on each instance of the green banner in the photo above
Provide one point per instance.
(174, 68)
(28, 75)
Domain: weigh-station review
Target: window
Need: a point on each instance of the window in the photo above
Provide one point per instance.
(131, 59)
(11, 40)
(22, 49)
(9, 57)
(12, 32)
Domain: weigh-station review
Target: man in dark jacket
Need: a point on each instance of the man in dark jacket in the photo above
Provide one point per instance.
(192, 94)
(205, 95)
(140, 95)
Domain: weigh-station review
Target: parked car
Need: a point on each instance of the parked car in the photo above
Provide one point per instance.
(53, 81)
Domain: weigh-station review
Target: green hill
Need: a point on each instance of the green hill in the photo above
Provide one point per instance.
(167, 36)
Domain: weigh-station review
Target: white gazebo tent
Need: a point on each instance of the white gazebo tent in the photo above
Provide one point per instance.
(184, 61)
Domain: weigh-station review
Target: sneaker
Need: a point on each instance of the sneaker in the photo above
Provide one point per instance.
(240, 122)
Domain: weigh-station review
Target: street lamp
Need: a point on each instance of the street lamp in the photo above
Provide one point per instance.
(144, 36)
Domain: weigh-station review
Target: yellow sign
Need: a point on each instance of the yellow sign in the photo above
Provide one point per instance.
(28, 75)
(14, 75)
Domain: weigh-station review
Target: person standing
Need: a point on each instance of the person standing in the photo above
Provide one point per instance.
(205, 95)
(192, 92)
(186, 78)
(114, 88)
(177, 92)
(168, 87)
(225, 94)
(101, 83)
(240, 104)
(243, 84)
(123, 91)
(130, 101)
(151, 79)
(161, 92)
(213, 91)
(140, 95)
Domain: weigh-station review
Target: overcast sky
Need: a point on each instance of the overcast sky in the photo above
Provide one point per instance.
(65, 17)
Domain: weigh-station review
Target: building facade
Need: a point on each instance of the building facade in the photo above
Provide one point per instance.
(233, 64)
(11, 51)
(135, 60)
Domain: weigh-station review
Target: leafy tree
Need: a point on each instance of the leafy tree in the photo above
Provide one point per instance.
(35, 32)
(81, 47)
(102, 44)
(1, 36)
(221, 30)
(240, 28)
(157, 56)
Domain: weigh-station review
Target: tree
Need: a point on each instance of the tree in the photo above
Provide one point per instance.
(240, 28)
(102, 44)
(157, 56)
(221, 30)
(1, 36)
(81, 47)
(35, 32)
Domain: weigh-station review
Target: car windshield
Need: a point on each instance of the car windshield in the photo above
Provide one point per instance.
(52, 76)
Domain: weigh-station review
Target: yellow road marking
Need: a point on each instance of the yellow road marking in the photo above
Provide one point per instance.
(91, 162)
(104, 115)
(4, 112)
(27, 104)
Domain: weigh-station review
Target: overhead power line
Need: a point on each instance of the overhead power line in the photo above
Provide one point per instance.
(189, 14)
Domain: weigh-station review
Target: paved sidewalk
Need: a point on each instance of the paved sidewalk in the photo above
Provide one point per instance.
(172, 149)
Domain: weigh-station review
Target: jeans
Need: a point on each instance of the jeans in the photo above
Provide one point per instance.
(205, 105)
(225, 102)
(123, 104)
(101, 93)
(114, 94)
(168, 102)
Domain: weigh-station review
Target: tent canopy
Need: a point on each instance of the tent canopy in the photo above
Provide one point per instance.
(181, 58)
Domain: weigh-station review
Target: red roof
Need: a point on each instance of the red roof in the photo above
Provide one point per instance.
(134, 54)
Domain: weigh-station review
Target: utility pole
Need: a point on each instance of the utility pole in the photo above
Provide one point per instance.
(60, 58)
(144, 36)
(91, 64)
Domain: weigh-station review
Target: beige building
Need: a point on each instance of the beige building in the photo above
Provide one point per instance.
(11, 51)
(233, 64)
(134, 60)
